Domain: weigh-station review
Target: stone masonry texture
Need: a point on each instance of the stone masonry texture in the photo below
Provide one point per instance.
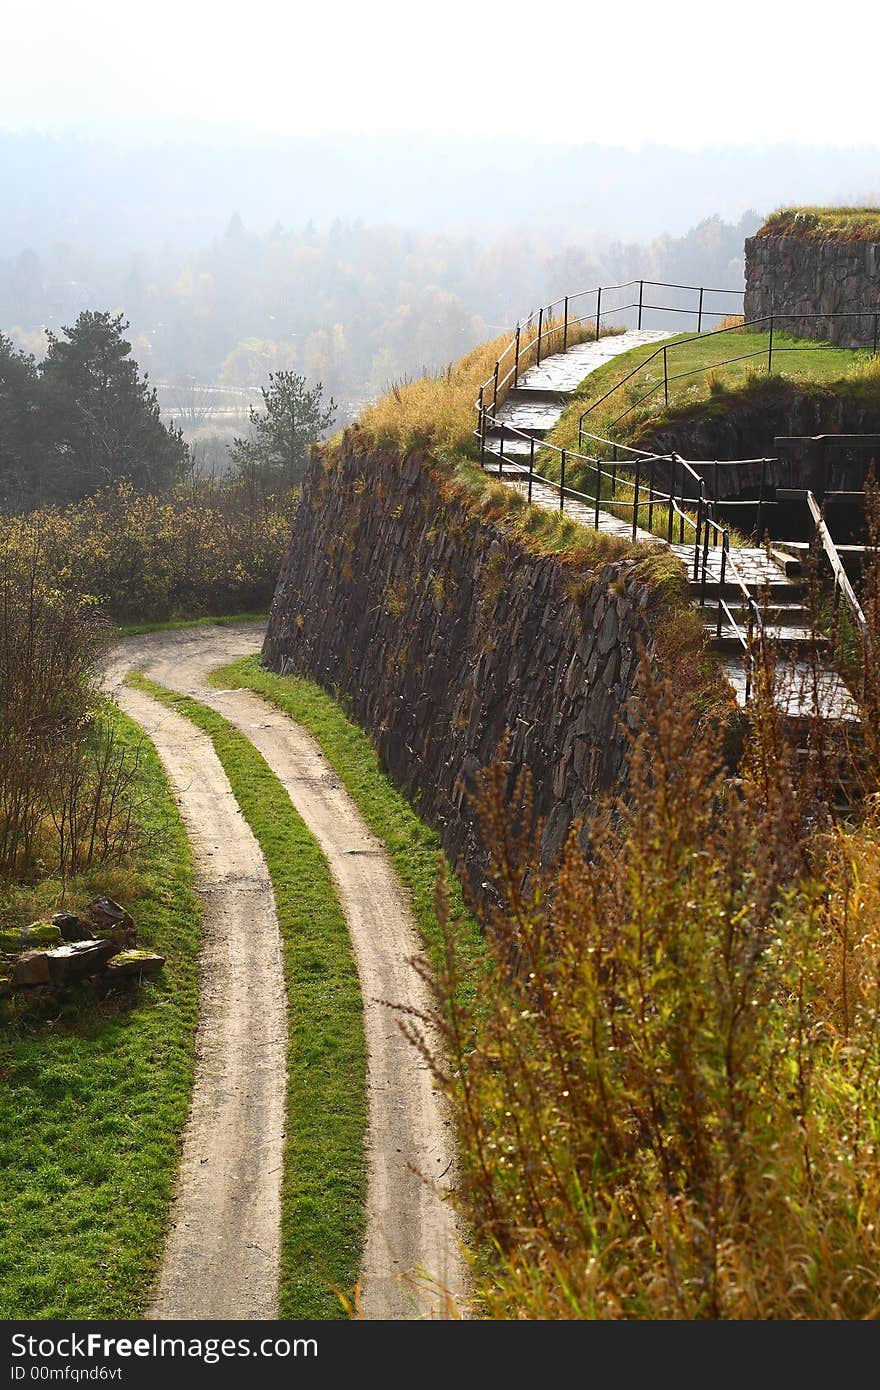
(795, 275)
(441, 634)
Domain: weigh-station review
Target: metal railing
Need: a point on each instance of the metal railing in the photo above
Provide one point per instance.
(691, 520)
(555, 325)
(769, 324)
(842, 584)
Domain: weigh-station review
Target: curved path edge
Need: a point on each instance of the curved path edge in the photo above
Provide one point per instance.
(222, 1254)
(412, 1263)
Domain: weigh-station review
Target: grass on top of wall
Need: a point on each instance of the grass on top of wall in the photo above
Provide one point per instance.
(439, 410)
(628, 391)
(824, 224)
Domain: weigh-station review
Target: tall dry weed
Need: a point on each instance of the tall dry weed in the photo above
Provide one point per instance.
(666, 1088)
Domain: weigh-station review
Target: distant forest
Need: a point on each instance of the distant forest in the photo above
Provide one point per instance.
(355, 307)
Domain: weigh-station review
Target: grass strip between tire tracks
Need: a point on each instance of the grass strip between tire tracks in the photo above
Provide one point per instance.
(413, 846)
(324, 1182)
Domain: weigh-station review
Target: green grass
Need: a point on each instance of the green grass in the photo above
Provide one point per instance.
(824, 224)
(93, 1097)
(414, 848)
(324, 1183)
(175, 624)
(696, 368)
(634, 405)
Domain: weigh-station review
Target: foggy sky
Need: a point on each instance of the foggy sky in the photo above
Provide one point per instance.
(686, 73)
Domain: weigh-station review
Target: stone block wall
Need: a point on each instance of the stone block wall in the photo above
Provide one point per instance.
(440, 633)
(799, 275)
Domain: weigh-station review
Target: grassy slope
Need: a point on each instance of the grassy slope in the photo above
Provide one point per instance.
(821, 224)
(713, 387)
(175, 624)
(695, 362)
(92, 1103)
(324, 1167)
(413, 846)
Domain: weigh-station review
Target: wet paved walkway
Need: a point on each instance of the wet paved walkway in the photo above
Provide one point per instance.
(536, 405)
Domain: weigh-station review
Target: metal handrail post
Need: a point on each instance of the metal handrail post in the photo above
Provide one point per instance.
(641, 297)
(598, 490)
(701, 502)
(700, 312)
(565, 326)
(562, 483)
(495, 392)
(516, 359)
(540, 334)
(481, 424)
(681, 513)
(531, 464)
(669, 520)
(705, 564)
(598, 310)
(501, 453)
(636, 497)
(721, 582)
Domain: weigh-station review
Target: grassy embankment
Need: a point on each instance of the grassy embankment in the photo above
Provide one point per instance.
(824, 224)
(437, 414)
(324, 1182)
(177, 624)
(702, 384)
(94, 1094)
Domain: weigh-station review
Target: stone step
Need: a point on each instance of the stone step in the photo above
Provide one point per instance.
(785, 637)
(514, 446)
(536, 395)
(780, 591)
(529, 415)
(785, 615)
(852, 556)
(794, 690)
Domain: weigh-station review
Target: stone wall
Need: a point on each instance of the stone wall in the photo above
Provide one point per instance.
(748, 424)
(797, 275)
(440, 633)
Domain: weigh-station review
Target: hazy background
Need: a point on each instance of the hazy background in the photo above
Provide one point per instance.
(361, 193)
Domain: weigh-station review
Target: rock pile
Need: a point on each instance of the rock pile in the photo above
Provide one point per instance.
(47, 957)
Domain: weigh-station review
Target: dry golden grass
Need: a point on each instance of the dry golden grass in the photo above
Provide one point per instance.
(440, 410)
(824, 224)
(668, 1089)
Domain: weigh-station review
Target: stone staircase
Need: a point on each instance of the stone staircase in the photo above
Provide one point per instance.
(534, 406)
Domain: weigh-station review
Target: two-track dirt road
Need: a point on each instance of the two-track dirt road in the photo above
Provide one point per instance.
(222, 1256)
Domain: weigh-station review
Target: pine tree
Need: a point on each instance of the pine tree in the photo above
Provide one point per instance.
(103, 415)
(277, 452)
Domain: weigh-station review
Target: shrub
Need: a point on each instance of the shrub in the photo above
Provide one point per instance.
(65, 785)
(667, 1086)
(203, 550)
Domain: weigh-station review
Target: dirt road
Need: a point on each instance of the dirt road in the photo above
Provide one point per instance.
(222, 1256)
(412, 1255)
